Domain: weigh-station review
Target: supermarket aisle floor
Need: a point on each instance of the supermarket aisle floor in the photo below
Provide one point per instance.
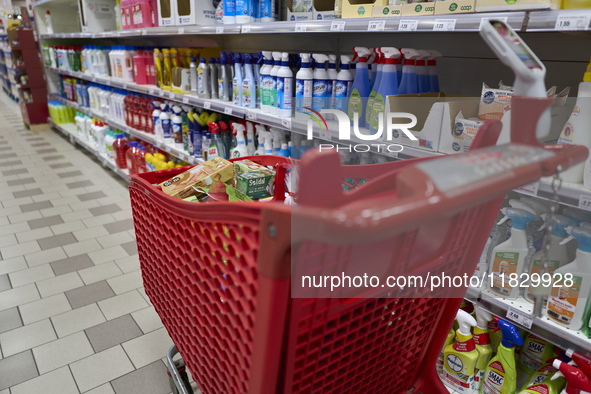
(74, 317)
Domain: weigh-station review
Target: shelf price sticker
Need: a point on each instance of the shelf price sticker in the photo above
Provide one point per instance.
(520, 317)
(168, 149)
(181, 30)
(325, 135)
(300, 27)
(219, 30)
(531, 188)
(72, 139)
(408, 25)
(484, 20)
(185, 100)
(171, 95)
(93, 79)
(337, 26)
(151, 92)
(245, 29)
(572, 22)
(444, 25)
(376, 25)
(251, 115)
(125, 86)
(585, 202)
(228, 111)
(286, 122)
(206, 105)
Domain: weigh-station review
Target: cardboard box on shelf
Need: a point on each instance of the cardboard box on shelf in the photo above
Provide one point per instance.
(417, 9)
(388, 10)
(455, 7)
(98, 16)
(166, 12)
(194, 12)
(310, 10)
(516, 5)
(361, 8)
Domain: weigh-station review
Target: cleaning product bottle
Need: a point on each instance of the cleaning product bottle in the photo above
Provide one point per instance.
(583, 362)
(250, 139)
(177, 125)
(284, 87)
(360, 88)
(304, 86)
(461, 357)
(540, 381)
(165, 123)
(432, 68)
(375, 61)
(376, 79)
(261, 148)
(248, 83)
(266, 82)
(509, 257)
(448, 341)
(409, 83)
(166, 70)
(534, 353)
(387, 87)
(332, 80)
(224, 83)
(158, 67)
(213, 78)
(203, 81)
(576, 381)
(237, 81)
(482, 341)
(568, 300)
(257, 64)
(501, 374)
(283, 151)
(194, 77)
(557, 257)
(217, 147)
(578, 123)
(240, 149)
(422, 71)
(343, 84)
(273, 87)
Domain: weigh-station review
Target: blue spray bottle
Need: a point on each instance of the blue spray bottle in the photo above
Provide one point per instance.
(399, 66)
(379, 61)
(409, 83)
(320, 86)
(422, 71)
(237, 81)
(248, 83)
(258, 61)
(432, 67)
(360, 87)
(387, 87)
(375, 60)
(343, 85)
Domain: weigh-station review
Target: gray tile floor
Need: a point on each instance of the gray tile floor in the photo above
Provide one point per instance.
(74, 317)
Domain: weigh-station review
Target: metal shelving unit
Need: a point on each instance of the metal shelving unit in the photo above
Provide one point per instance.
(544, 21)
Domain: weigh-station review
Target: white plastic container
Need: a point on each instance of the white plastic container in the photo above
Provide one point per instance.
(284, 87)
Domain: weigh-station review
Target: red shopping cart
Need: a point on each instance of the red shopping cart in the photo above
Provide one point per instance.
(220, 274)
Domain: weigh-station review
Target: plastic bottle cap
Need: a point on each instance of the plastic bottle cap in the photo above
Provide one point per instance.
(560, 224)
(519, 218)
(482, 318)
(465, 321)
(511, 335)
(583, 237)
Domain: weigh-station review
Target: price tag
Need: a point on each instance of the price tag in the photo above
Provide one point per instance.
(572, 22)
(228, 111)
(325, 135)
(408, 25)
(219, 30)
(168, 149)
(251, 116)
(125, 86)
(585, 202)
(181, 30)
(185, 100)
(93, 79)
(444, 25)
(300, 27)
(531, 188)
(376, 25)
(337, 26)
(71, 139)
(246, 29)
(485, 20)
(162, 93)
(171, 95)
(151, 92)
(206, 105)
(519, 317)
(108, 82)
(286, 122)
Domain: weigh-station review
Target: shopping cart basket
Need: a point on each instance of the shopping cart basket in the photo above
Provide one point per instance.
(219, 274)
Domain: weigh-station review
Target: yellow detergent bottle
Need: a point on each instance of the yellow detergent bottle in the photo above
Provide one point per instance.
(534, 353)
(482, 340)
(500, 376)
(166, 69)
(158, 66)
(460, 358)
(448, 341)
(174, 57)
(540, 382)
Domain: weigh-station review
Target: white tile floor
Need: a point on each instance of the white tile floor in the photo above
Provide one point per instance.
(74, 317)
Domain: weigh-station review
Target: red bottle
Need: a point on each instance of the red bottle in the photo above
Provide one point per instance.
(140, 69)
(150, 67)
(119, 148)
(128, 114)
(135, 108)
(130, 157)
(140, 160)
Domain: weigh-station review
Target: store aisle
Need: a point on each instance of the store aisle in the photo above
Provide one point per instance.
(74, 317)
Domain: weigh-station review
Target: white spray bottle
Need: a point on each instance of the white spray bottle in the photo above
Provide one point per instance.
(332, 80)
(409, 83)
(250, 138)
(304, 86)
(320, 86)
(343, 84)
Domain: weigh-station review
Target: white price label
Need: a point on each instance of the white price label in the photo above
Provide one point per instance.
(181, 30)
(325, 135)
(93, 79)
(444, 25)
(246, 29)
(219, 30)
(162, 93)
(300, 27)
(206, 105)
(408, 25)
(228, 111)
(151, 92)
(485, 20)
(185, 100)
(168, 149)
(71, 139)
(171, 95)
(519, 317)
(125, 86)
(572, 22)
(251, 116)
(376, 25)
(531, 188)
(108, 82)
(337, 26)
(585, 202)
(286, 122)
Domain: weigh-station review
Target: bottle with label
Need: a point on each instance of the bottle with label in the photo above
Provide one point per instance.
(508, 258)
(376, 78)
(557, 257)
(237, 81)
(284, 87)
(540, 382)
(248, 84)
(304, 86)
(265, 82)
(320, 85)
(193, 76)
(216, 148)
(500, 375)
(534, 353)
(332, 80)
(461, 357)
(409, 83)
(360, 88)
(165, 123)
(273, 84)
(385, 86)
(576, 381)
(343, 84)
(482, 341)
(224, 82)
(240, 149)
(203, 81)
(448, 341)
(568, 300)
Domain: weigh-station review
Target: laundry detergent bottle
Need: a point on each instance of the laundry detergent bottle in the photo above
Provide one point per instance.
(482, 341)
(500, 376)
(387, 87)
(570, 291)
(304, 83)
(460, 358)
(360, 88)
(320, 85)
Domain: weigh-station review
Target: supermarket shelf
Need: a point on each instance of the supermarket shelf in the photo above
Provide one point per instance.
(69, 130)
(546, 20)
(572, 194)
(256, 115)
(543, 327)
(173, 149)
(152, 31)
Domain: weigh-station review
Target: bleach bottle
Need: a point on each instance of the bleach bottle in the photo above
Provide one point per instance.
(332, 80)
(460, 357)
(266, 82)
(273, 87)
(376, 79)
(483, 346)
(432, 70)
(304, 86)
(224, 84)
(360, 88)
(343, 85)
(409, 83)
(284, 87)
(237, 81)
(387, 87)
(501, 374)
(320, 86)
(248, 83)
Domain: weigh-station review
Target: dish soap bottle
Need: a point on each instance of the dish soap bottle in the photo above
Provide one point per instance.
(482, 340)
(509, 257)
(501, 374)
(461, 357)
(568, 299)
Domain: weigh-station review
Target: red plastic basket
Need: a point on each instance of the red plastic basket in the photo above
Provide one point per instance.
(219, 274)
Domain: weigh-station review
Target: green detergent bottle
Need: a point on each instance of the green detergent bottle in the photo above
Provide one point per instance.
(500, 376)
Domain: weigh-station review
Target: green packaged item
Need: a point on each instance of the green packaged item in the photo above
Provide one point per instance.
(256, 185)
(219, 191)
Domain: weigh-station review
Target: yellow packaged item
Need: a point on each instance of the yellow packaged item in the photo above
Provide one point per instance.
(206, 174)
